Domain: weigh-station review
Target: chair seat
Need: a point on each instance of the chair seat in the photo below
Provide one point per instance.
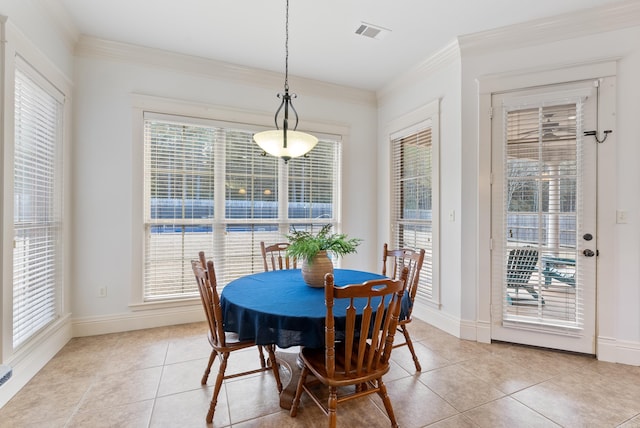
(315, 361)
(232, 340)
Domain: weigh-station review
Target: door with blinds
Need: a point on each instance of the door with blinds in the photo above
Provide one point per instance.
(544, 217)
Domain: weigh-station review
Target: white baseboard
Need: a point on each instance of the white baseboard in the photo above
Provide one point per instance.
(34, 356)
(480, 331)
(91, 326)
(618, 351)
(437, 318)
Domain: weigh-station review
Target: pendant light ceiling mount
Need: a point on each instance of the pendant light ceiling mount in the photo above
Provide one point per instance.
(285, 143)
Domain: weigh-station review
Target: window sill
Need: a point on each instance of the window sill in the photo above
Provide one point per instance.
(164, 304)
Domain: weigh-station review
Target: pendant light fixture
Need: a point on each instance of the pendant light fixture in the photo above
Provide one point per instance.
(283, 142)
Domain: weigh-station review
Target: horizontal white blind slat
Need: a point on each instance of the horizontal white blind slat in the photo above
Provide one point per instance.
(412, 170)
(37, 226)
(209, 188)
(542, 208)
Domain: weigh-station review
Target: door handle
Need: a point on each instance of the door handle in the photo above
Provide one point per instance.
(588, 253)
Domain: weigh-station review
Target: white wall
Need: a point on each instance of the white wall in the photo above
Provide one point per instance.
(423, 85)
(106, 174)
(531, 47)
(618, 322)
(34, 20)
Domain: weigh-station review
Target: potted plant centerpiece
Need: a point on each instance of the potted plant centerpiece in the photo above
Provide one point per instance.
(312, 250)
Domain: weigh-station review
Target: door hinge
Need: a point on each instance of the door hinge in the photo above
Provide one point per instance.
(490, 112)
(491, 178)
(491, 244)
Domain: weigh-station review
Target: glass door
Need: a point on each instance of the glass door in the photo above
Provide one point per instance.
(543, 217)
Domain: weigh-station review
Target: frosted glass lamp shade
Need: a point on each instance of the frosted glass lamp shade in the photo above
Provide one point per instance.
(298, 143)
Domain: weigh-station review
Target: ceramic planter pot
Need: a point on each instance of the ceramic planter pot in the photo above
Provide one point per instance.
(313, 273)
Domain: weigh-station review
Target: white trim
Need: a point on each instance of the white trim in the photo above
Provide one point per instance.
(14, 43)
(132, 54)
(439, 319)
(526, 79)
(414, 118)
(172, 106)
(618, 351)
(483, 332)
(34, 356)
(570, 25)
(91, 326)
(435, 63)
(548, 75)
(427, 115)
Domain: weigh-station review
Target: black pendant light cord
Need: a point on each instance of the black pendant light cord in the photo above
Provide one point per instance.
(286, 50)
(286, 97)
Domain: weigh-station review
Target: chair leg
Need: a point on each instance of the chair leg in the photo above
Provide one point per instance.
(296, 399)
(212, 358)
(332, 406)
(216, 389)
(387, 402)
(262, 361)
(274, 366)
(407, 339)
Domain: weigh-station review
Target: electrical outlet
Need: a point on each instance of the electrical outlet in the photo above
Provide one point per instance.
(102, 292)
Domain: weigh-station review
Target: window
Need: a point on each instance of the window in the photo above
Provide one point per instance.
(414, 199)
(208, 188)
(37, 204)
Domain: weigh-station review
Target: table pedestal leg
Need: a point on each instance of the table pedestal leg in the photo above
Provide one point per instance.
(289, 376)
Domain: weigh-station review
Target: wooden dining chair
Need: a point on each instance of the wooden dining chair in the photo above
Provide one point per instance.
(222, 343)
(263, 361)
(394, 261)
(356, 354)
(275, 257)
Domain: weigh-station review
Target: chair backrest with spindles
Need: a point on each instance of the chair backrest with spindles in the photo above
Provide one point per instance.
(393, 261)
(370, 325)
(207, 284)
(275, 257)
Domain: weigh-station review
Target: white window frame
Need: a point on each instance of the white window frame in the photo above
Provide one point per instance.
(20, 52)
(427, 116)
(143, 104)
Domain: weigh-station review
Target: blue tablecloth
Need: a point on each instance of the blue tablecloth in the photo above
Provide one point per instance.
(278, 307)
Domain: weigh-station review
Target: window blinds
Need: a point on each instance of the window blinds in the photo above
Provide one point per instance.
(412, 215)
(37, 203)
(542, 207)
(208, 188)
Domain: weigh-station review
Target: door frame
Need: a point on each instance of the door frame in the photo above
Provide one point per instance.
(527, 79)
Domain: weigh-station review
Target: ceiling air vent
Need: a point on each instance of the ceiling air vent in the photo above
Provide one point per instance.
(372, 31)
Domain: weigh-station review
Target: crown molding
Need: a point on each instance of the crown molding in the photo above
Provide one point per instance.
(613, 17)
(442, 58)
(91, 47)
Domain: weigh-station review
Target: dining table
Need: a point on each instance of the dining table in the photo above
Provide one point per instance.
(278, 307)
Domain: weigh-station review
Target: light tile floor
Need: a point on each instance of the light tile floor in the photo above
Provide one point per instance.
(151, 378)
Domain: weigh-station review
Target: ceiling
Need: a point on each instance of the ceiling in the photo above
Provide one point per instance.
(322, 40)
